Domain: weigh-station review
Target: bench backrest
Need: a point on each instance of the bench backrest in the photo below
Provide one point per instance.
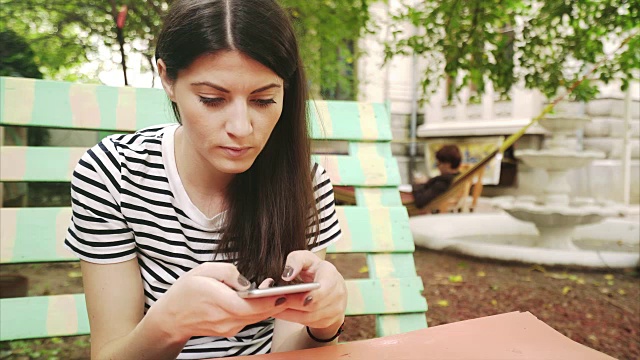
(377, 226)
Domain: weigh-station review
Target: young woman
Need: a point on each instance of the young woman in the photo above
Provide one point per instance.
(170, 221)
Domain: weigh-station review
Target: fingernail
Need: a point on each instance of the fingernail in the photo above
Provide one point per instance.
(288, 271)
(281, 301)
(307, 300)
(243, 281)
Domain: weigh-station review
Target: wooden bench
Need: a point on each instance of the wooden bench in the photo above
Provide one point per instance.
(377, 226)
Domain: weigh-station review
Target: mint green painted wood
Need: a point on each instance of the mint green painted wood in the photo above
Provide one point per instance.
(368, 296)
(383, 118)
(52, 107)
(389, 196)
(152, 108)
(45, 163)
(352, 173)
(40, 233)
(387, 325)
(381, 148)
(402, 265)
(26, 318)
(339, 123)
(363, 226)
(41, 163)
(52, 95)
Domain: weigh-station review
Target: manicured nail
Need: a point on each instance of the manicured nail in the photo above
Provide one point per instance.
(281, 301)
(288, 271)
(307, 300)
(243, 281)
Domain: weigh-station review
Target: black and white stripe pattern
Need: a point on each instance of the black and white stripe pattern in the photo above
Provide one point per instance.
(128, 202)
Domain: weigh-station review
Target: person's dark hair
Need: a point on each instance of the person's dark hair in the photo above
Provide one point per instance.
(449, 154)
(271, 205)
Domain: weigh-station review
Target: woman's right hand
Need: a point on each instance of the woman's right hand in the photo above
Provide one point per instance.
(203, 302)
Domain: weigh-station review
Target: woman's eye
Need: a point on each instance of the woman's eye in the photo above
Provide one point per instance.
(211, 101)
(264, 102)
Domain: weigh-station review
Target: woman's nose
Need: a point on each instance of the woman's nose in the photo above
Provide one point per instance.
(238, 123)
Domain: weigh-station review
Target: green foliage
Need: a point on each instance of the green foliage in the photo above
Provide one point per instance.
(16, 57)
(65, 33)
(328, 31)
(547, 44)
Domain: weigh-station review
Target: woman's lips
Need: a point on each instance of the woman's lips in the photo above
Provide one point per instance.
(235, 152)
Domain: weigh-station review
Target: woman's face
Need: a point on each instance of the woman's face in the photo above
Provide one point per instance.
(229, 105)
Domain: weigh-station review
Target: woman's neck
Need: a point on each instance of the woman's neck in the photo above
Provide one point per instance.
(205, 185)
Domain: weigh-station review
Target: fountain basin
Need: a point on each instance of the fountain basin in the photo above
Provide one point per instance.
(563, 123)
(578, 212)
(558, 159)
(612, 243)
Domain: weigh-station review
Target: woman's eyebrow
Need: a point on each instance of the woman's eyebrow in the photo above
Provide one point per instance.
(220, 88)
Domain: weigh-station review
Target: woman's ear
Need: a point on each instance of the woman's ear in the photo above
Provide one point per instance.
(167, 84)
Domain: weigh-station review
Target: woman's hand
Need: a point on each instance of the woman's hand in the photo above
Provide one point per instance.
(321, 309)
(203, 302)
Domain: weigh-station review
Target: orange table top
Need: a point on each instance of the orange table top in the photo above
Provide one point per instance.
(510, 336)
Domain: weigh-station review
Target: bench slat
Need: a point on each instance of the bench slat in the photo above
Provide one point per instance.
(60, 104)
(387, 325)
(37, 234)
(44, 163)
(64, 315)
(43, 316)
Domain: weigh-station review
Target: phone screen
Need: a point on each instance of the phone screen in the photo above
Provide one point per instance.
(278, 290)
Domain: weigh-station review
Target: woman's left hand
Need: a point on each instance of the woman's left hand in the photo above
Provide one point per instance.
(319, 309)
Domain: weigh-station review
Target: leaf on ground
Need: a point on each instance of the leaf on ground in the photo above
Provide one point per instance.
(481, 274)
(443, 303)
(333, 256)
(538, 268)
(74, 274)
(455, 278)
(610, 282)
(622, 292)
(565, 290)
(462, 265)
(593, 337)
(605, 290)
(363, 269)
(494, 302)
(557, 276)
(609, 277)
(495, 287)
(589, 316)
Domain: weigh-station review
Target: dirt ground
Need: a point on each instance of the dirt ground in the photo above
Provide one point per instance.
(600, 309)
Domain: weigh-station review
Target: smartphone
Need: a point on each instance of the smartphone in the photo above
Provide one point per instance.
(278, 290)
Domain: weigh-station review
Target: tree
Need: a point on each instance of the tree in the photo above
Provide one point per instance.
(64, 34)
(328, 32)
(16, 57)
(547, 45)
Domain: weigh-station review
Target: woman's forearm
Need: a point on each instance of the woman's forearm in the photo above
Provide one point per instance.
(146, 341)
(292, 336)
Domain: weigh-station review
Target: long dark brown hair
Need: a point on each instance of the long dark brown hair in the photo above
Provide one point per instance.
(271, 206)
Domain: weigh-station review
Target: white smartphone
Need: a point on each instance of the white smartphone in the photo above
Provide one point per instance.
(278, 290)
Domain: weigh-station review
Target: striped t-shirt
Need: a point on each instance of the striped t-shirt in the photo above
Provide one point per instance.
(128, 201)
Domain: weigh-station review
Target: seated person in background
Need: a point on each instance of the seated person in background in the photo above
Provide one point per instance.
(448, 161)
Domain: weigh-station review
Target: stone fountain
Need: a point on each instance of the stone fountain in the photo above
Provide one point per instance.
(551, 228)
(554, 213)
